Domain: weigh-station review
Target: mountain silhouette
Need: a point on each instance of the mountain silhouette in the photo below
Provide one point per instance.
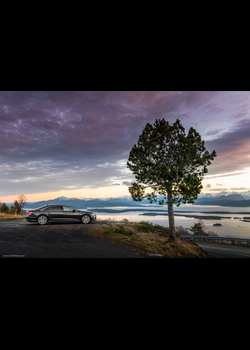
(231, 200)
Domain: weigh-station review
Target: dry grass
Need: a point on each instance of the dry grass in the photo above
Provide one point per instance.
(10, 216)
(147, 239)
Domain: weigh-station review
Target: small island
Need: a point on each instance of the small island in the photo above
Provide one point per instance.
(217, 225)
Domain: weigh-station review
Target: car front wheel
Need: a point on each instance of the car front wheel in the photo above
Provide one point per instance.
(42, 220)
(85, 219)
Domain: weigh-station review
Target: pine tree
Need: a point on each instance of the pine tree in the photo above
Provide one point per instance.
(171, 163)
(198, 228)
(12, 209)
(17, 208)
(4, 208)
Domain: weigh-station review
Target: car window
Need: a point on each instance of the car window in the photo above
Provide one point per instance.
(45, 208)
(68, 208)
(56, 208)
(42, 208)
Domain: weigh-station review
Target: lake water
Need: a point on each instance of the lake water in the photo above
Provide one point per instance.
(231, 227)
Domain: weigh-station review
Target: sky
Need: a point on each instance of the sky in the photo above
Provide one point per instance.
(77, 143)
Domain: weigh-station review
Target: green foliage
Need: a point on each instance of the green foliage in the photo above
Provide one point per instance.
(4, 208)
(170, 162)
(119, 229)
(125, 222)
(145, 226)
(12, 209)
(17, 208)
(198, 229)
(150, 227)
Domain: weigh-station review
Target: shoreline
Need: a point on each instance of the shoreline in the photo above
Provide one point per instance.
(187, 214)
(106, 210)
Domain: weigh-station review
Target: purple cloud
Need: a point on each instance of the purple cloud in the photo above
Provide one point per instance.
(50, 139)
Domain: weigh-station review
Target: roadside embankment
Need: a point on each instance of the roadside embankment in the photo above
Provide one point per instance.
(150, 240)
(10, 216)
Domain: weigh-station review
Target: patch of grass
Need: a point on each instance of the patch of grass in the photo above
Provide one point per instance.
(10, 216)
(148, 238)
(121, 230)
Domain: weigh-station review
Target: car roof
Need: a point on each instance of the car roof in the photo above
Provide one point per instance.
(59, 205)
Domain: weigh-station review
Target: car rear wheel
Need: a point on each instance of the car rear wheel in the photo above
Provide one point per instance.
(42, 220)
(85, 219)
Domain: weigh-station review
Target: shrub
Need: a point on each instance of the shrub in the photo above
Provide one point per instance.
(144, 226)
(119, 229)
(125, 222)
(199, 229)
(180, 230)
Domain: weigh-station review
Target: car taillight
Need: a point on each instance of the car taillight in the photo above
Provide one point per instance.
(29, 212)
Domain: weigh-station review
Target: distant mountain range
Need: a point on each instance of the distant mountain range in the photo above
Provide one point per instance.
(230, 200)
(244, 195)
(221, 199)
(88, 203)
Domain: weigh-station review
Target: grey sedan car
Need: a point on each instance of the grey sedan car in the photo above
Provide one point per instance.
(59, 212)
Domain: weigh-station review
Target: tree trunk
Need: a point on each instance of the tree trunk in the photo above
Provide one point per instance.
(171, 218)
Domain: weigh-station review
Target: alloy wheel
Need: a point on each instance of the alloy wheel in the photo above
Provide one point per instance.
(85, 219)
(42, 220)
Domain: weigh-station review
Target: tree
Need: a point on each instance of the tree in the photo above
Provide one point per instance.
(12, 209)
(171, 163)
(199, 228)
(4, 208)
(22, 200)
(17, 208)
